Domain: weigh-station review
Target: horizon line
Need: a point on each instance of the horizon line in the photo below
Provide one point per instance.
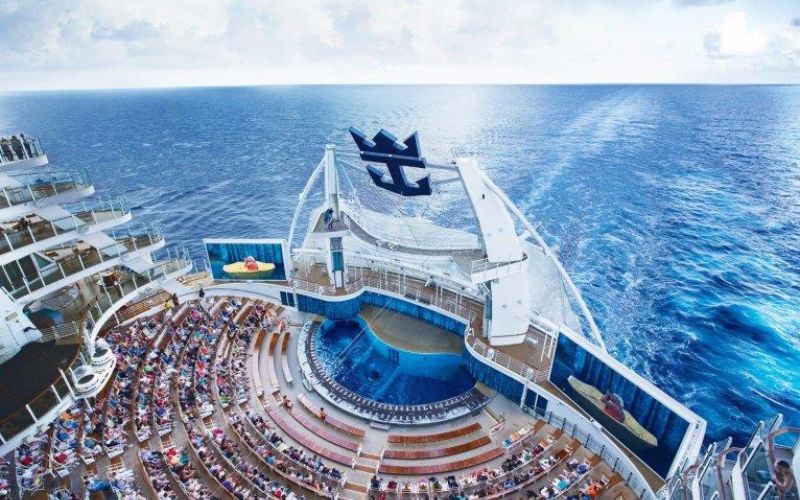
(401, 84)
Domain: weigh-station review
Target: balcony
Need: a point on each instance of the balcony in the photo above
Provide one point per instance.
(21, 195)
(45, 230)
(21, 151)
(64, 266)
(69, 371)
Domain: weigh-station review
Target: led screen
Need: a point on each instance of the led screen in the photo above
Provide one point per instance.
(246, 260)
(638, 420)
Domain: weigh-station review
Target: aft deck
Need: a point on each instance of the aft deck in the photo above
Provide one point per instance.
(464, 257)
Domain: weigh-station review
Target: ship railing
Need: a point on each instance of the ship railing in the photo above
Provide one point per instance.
(395, 284)
(58, 395)
(130, 282)
(31, 148)
(44, 185)
(512, 364)
(59, 332)
(608, 455)
(81, 261)
(105, 210)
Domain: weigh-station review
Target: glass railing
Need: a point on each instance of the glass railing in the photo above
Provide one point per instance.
(19, 147)
(45, 185)
(36, 232)
(757, 472)
(130, 282)
(85, 259)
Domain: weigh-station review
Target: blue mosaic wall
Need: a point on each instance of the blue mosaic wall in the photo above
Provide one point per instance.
(502, 383)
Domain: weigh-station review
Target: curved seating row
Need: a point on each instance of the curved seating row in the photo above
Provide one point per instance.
(406, 439)
(438, 452)
(466, 463)
(303, 437)
(291, 463)
(350, 430)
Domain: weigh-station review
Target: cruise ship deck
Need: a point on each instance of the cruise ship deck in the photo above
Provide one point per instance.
(373, 356)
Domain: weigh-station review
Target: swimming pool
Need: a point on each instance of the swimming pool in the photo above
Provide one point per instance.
(360, 361)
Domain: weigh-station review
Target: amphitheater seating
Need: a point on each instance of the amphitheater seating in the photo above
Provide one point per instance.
(318, 431)
(287, 373)
(271, 370)
(406, 439)
(302, 437)
(309, 474)
(258, 388)
(439, 452)
(196, 354)
(340, 426)
(422, 470)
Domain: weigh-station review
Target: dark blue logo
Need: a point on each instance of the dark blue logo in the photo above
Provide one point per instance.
(384, 148)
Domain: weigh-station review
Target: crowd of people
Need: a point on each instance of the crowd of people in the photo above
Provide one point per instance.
(65, 437)
(18, 148)
(181, 468)
(32, 462)
(5, 484)
(194, 375)
(289, 461)
(130, 346)
(522, 471)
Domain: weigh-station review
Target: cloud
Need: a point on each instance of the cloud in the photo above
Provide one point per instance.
(735, 38)
(696, 3)
(106, 43)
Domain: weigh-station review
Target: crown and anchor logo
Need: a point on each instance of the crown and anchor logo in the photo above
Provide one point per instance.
(384, 148)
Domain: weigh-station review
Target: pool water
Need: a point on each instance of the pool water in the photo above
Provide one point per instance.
(360, 361)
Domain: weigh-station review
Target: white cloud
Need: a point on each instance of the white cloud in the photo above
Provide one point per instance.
(736, 38)
(107, 43)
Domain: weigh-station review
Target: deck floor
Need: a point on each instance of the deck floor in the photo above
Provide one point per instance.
(410, 334)
(30, 372)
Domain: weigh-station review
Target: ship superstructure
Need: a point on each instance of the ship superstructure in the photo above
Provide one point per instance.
(69, 263)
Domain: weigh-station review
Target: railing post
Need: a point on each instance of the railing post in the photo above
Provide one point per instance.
(66, 381)
(33, 416)
(53, 388)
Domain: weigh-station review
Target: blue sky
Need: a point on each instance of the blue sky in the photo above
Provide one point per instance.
(65, 44)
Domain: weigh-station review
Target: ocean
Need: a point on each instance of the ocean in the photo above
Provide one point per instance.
(676, 209)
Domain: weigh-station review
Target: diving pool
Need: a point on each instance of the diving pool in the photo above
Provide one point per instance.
(360, 361)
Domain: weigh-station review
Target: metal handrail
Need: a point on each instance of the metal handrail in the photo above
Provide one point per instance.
(514, 365)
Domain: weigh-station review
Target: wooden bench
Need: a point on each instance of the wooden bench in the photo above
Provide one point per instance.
(257, 386)
(426, 470)
(340, 426)
(303, 438)
(271, 370)
(439, 452)
(318, 431)
(434, 438)
(287, 374)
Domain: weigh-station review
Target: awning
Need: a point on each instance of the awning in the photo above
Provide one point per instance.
(139, 265)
